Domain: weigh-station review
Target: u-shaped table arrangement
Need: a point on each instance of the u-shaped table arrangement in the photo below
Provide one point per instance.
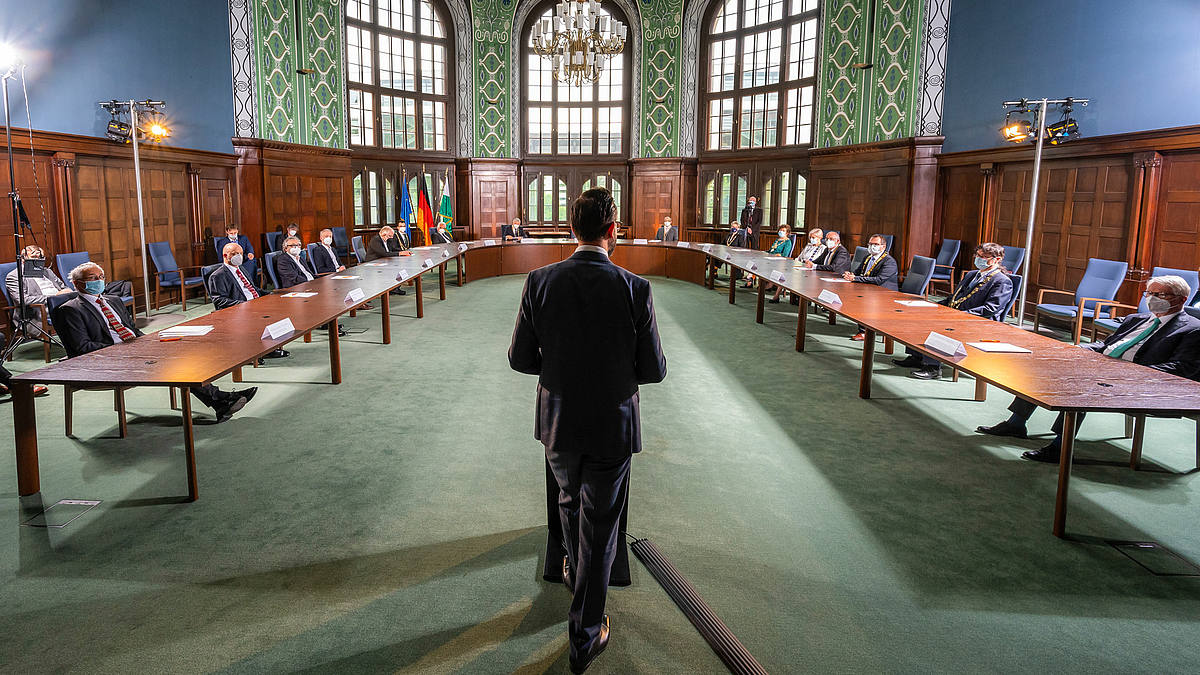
(1054, 375)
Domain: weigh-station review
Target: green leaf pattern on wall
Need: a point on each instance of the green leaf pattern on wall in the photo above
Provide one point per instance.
(662, 22)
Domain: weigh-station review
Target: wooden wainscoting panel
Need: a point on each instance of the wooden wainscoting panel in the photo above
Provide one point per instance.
(1178, 242)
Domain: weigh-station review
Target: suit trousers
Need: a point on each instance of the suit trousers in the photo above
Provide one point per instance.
(591, 498)
(929, 361)
(121, 289)
(1024, 410)
(209, 395)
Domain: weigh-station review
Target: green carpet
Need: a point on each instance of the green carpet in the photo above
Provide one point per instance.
(393, 524)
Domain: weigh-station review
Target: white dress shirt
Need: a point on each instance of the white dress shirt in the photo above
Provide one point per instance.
(593, 249)
(238, 275)
(95, 300)
(332, 255)
(1137, 330)
(303, 267)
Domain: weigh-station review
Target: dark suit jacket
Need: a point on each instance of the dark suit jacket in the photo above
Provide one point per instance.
(673, 235)
(507, 231)
(884, 273)
(438, 236)
(82, 328)
(380, 249)
(225, 289)
(833, 260)
(989, 300)
(243, 241)
(586, 327)
(323, 261)
(743, 240)
(289, 271)
(751, 218)
(1174, 348)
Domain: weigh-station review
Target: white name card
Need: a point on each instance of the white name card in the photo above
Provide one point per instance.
(778, 276)
(445, 253)
(402, 275)
(427, 263)
(682, 244)
(462, 247)
(278, 330)
(489, 242)
(945, 345)
(706, 247)
(829, 297)
(729, 256)
(356, 295)
(640, 241)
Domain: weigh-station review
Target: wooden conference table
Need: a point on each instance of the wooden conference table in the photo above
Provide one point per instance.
(1056, 375)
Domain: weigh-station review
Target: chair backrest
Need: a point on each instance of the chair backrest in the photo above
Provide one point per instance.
(206, 272)
(5, 269)
(860, 254)
(1194, 311)
(310, 250)
(1016, 280)
(270, 265)
(273, 240)
(360, 252)
(339, 237)
(792, 236)
(164, 261)
(948, 253)
(1013, 257)
(65, 262)
(1192, 277)
(888, 239)
(919, 273)
(1102, 279)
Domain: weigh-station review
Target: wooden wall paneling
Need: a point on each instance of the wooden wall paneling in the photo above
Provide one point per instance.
(658, 188)
(641, 260)
(42, 213)
(1177, 243)
(489, 194)
(64, 203)
(960, 210)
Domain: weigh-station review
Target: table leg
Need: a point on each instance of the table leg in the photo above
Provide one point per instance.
(802, 324)
(237, 374)
(308, 337)
(459, 268)
(732, 285)
(980, 389)
(762, 299)
(122, 423)
(868, 361)
(25, 425)
(441, 282)
(1064, 474)
(335, 353)
(420, 298)
(1139, 437)
(384, 304)
(189, 446)
(889, 345)
(710, 271)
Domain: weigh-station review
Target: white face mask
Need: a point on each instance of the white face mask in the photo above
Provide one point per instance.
(830, 243)
(1158, 305)
(293, 251)
(233, 237)
(875, 249)
(292, 233)
(814, 241)
(782, 234)
(327, 241)
(236, 260)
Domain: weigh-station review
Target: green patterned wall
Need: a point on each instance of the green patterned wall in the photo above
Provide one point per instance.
(293, 107)
(492, 22)
(879, 103)
(662, 23)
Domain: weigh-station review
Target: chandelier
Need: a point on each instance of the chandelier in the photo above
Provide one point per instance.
(578, 40)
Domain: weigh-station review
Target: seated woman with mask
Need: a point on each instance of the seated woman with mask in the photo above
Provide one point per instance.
(781, 247)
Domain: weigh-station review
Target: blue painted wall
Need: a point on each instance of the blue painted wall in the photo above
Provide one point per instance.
(83, 51)
(1138, 61)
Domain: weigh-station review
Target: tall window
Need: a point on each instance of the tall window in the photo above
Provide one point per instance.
(563, 119)
(760, 73)
(398, 66)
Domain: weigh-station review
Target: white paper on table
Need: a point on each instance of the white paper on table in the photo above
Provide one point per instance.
(829, 297)
(778, 277)
(834, 280)
(185, 331)
(422, 248)
(655, 241)
(344, 276)
(462, 247)
(298, 294)
(916, 303)
(682, 244)
(640, 241)
(278, 329)
(489, 242)
(945, 345)
(356, 295)
(374, 264)
(445, 253)
(734, 248)
(999, 348)
(402, 275)
(427, 263)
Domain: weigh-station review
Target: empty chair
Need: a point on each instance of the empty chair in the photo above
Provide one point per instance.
(308, 258)
(1016, 280)
(169, 275)
(1109, 324)
(1013, 257)
(360, 251)
(860, 254)
(341, 244)
(65, 262)
(269, 263)
(1100, 283)
(943, 268)
(273, 240)
(919, 274)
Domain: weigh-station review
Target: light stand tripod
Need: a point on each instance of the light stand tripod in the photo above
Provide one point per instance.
(24, 324)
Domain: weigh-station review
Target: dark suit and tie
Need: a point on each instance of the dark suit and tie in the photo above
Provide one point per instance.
(439, 236)
(667, 233)
(324, 259)
(981, 292)
(378, 248)
(291, 271)
(229, 286)
(835, 259)
(586, 327)
(514, 231)
(880, 270)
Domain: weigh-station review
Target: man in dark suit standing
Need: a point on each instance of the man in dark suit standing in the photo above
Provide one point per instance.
(325, 260)
(1165, 338)
(586, 327)
(228, 285)
(985, 291)
(835, 257)
(92, 321)
(750, 218)
(667, 232)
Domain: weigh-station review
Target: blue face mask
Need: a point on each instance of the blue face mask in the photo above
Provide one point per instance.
(93, 287)
(980, 263)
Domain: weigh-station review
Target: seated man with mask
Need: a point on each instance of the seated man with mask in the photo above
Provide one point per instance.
(37, 289)
(228, 285)
(325, 260)
(667, 232)
(514, 231)
(92, 321)
(984, 292)
(834, 258)
(878, 269)
(1165, 338)
(292, 271)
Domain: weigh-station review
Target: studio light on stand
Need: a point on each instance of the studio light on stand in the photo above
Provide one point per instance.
(146, 124)
(1036, 131)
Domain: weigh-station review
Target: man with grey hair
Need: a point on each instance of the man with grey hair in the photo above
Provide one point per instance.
(289, 268)
(1164, 338)
(324, 259)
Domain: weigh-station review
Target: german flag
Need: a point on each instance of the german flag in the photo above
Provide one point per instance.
(424, 211)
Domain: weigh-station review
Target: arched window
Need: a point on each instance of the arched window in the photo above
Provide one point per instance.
(760, 73)
(398, 66)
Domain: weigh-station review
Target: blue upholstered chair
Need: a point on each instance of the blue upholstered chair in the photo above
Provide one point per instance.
(888, 240)
(1014, 256)
(860, 254)
(1110, 324)
(943, 268)
(360, 251)
(308, 260)
(65, 262)
(168, 274)
(269, 263)
(341, 244)
(1017, 280)
(273, 240)
(1100, 283)
(919, 273)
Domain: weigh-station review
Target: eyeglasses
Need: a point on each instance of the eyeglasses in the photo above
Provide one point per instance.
(1162, 294)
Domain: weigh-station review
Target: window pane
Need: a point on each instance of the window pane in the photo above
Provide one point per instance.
(373, 195)
(433, 69)
(562, 201)
(784, 179)
(396, 69)
(798, 120)
(397, 14)
(540, 123)
(611, 84)
(726, 19)
(722, 64)
(358, 55)
(615, 186)
(709, 193)
(362, 118)
(389, 199)
(398, 122)
(533, 201)
(433, 125)
(801, 185)
(766, 206)
(726, 188)
(609, 131)
(547, 199)
(802, 49)
(358, 9)
(540, 79)
(799, 6)
(430, 23)
(739, 199)
(720, 124)
(759, 114)
(761, 56)
(358, 200)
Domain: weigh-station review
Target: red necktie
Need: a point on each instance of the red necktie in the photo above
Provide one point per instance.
(245, 284)
(117, 327)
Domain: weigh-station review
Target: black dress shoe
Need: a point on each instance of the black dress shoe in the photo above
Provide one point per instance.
(927, 373)
(568, 580)
(244, 393)
(278, 353)
(397, 291)
(1004, 428)
(585, 660)
(1049, 454)
(342, 332)
(227, 408)
(773, 300)
(261, 360)
(911, 361)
